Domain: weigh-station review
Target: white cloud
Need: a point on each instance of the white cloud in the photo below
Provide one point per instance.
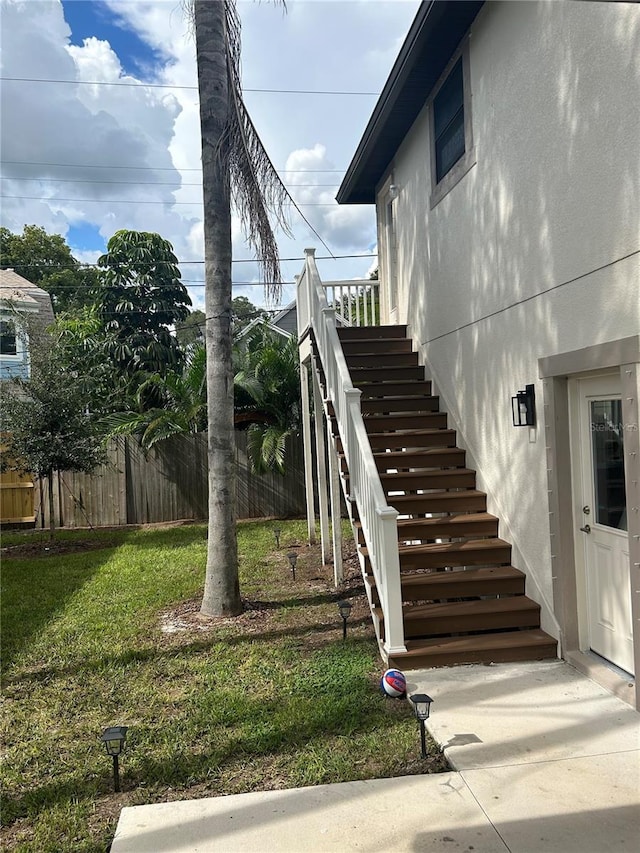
(339, 46)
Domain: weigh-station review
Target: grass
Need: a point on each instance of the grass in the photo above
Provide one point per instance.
(103, 629)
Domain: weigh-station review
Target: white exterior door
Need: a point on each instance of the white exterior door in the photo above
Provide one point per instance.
(604, 521)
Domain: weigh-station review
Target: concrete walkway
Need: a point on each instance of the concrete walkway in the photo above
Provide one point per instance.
(546, 761)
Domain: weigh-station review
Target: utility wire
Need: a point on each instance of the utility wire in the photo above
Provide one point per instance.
(131, 183)
(136, 201)
(141, 84)
(530, 298)
(149, 168)
(184, 263)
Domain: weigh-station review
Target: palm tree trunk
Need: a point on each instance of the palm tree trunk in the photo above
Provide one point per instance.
(222, 589)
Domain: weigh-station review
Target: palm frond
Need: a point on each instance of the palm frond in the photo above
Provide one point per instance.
(266, 447)
(256, 186)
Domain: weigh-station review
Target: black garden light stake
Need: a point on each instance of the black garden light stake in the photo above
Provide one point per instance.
(293, 559)
(422, 707)
(113, 739)
(345, 609)
(276, 533)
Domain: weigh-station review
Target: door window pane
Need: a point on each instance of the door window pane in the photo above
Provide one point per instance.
(608, 463)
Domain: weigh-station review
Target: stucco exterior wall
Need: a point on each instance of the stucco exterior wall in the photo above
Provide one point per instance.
(530, 254)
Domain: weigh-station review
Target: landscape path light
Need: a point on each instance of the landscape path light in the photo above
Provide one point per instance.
(293, 559)
(113, 739)
(345, 609)
(422, 707)
(276, 533)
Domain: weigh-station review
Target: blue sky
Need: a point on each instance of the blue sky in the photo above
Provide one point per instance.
(95, 18)
(86, 160)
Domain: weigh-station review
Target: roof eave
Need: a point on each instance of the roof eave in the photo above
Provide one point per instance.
(437, 21)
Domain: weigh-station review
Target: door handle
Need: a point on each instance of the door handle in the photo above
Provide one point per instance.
(586, 529)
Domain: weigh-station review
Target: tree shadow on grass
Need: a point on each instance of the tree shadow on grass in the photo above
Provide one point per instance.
(133, 656)
(36, 591)
(262, 729)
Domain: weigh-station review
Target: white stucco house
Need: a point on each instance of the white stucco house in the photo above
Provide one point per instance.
(502, 158)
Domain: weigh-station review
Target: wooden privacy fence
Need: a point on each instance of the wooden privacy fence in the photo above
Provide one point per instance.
(168, 483)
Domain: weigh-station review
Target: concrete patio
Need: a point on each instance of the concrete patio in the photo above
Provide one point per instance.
(544, 760)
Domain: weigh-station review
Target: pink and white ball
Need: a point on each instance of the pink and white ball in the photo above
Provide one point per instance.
(394, 684)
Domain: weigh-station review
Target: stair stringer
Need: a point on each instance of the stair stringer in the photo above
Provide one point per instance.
(349, 503)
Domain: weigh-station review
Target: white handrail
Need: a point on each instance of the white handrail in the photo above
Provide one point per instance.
(355, 302)
(378, 519)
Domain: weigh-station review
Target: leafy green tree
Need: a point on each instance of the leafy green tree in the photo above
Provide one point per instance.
(234, 165)
(46, 422)
(191, 330)
(140, 299)
(83, 347)
(243, 311)
(46, 260)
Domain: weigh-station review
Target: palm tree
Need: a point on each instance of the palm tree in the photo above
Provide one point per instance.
(267, 395)
(181, 404)
(235, 167)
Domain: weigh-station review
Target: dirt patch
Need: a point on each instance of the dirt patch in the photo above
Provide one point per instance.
(314, 585)
(48, 548)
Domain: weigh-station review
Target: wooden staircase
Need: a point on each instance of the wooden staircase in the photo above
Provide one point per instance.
(463, 601)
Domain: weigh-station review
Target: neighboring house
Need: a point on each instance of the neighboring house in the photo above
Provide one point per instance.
(25, 309)
(503, 160)
(286, 320)
(283, 323)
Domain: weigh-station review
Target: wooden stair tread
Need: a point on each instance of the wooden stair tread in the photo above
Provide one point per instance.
(350, 333)
(445, 548)
(459, 577)
(451, 609)
(439, 500)
(444, 526)
(393, 390)
(397, 405)
(488, 642)
(426, 472)
(449, 521)
(457, 547)
(382, 359)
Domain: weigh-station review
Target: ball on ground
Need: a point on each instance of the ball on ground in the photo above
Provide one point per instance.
(394, 684)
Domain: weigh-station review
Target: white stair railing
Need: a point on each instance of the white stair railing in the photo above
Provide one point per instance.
(378, 519)
(355, 302)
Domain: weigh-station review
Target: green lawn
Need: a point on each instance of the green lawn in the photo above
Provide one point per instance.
(103, 629)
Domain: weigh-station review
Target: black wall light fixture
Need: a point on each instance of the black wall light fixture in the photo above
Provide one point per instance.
(523, 407)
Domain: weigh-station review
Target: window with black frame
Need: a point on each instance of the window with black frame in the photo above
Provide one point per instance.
(448, 122)
(8, 340)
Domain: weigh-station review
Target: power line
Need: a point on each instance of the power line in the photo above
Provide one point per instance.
(129, 183)
(136, 201)
(152, 168)
(141, 84)
(530, 298)
(185, 263)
